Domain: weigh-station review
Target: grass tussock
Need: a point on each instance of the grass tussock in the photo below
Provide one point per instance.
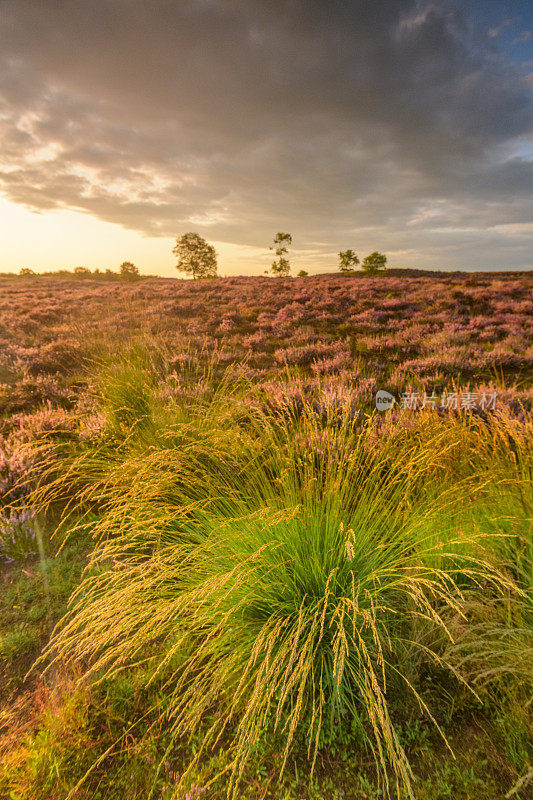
(284, 571)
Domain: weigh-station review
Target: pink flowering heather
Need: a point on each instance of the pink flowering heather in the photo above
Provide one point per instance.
(18, 534)
(392, 328)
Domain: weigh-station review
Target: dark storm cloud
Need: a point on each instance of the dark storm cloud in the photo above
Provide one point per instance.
(331, 119)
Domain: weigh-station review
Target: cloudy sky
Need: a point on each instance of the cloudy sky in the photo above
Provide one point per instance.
(399, 125)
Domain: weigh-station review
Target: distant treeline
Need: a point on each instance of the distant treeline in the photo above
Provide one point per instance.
(127, 271)
(111, 275)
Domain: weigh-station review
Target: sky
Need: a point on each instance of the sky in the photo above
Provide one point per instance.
(404, 126)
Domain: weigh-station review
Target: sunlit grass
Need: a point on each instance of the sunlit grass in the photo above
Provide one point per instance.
(282, 572)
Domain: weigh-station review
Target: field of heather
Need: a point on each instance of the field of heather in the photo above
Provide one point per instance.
(353, 334)
(224, 572)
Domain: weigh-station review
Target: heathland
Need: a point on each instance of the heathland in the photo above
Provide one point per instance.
(224, 571)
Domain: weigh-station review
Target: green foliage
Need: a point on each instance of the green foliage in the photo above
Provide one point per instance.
(18, 641)
(374, 263)
(348, 260)
(499, 642)
(128, 271)
(82, 272)
(195, 256)
(283, 599)
(302, 274)
(289, 572)
(124, 390)
(281, 266)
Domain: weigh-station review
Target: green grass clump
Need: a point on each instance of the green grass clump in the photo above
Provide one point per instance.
(282, 573)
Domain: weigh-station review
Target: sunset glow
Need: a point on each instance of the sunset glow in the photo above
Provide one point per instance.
(123, 125)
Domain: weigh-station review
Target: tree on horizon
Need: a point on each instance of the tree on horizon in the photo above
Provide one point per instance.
(374, 262)
(281, 266)
(195, 256)
(348, 261)
(129, 271)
